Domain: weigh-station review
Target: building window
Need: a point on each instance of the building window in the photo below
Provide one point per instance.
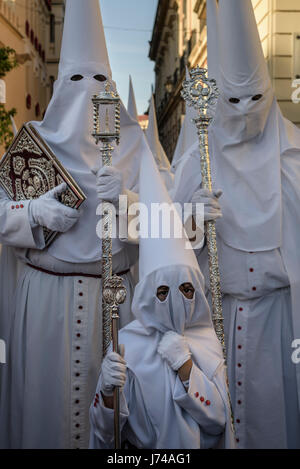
(37, 110)
(51, 79)
(52, 28)
(28, 101)
(27, 29)
(48, 4)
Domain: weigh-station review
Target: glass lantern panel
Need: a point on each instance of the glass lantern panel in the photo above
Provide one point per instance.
(107, 118)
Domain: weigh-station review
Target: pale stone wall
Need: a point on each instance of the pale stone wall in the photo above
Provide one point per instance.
(279, 25)
(25, 26)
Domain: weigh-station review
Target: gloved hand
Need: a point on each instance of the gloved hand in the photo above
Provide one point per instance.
(47, 211)
(109, 183)
(174, 349)
(212, 209)
(113, 371)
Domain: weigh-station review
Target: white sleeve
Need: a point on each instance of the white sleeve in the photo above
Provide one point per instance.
(187, 178)
(127, 216)
(15, 226)
(102, 420)
(202, 401)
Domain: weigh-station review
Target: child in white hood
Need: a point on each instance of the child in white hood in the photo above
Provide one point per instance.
(172, 375)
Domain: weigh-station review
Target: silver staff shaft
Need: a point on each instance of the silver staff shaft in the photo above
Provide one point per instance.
(106, 153)
(115, 340)
(110, 318)
(106, 129)
(210, 232)
(114, 294)
(202, 93)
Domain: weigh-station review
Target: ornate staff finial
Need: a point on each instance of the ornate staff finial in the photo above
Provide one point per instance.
(201, 92)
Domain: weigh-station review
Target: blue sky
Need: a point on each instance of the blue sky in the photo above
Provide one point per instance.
(128, 25)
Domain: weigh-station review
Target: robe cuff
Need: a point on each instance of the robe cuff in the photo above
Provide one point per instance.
(102, 418)
(202, 401)
(16, 230)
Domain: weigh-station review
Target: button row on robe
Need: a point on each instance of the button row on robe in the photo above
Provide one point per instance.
(17, 206)
(77, 423)
(239, 366)
(96, 401)
(202, 399)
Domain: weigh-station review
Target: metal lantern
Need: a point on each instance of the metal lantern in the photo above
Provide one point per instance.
(106, 116)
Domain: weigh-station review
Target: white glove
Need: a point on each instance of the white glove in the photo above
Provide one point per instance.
(174, 349)
(212, 209)
(47, 211)
(113, 372)
(109, 185)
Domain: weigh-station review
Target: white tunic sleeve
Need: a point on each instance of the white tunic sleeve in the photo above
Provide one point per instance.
(15, 227)
(127, 216)
(102, 421)
(202, 401)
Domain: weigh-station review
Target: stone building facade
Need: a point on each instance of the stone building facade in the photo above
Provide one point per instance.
(179, 39)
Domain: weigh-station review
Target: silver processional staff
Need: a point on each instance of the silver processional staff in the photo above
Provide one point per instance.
(107, 131)
(202, 93)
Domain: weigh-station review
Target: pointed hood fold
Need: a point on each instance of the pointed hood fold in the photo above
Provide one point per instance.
(153, 139)
(242, 60)
(158, 252)
(188, 133)
(213, 40)
(83, 42)
(131, 108)
(158, 152)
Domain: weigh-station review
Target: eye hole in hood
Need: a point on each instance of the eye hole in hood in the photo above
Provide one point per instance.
(187, 290)
(257, 97)
(162, 293)
(234, 100)
(76, 77)
(100, 78)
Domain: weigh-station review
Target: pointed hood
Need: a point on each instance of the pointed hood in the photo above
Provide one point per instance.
(159, 252)
(243, 65)
(68, 124)
(166, 258)
(83, 42)
(212, 39)
(158, 152)
(131, 108)
(188, 133)
(153, 139)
